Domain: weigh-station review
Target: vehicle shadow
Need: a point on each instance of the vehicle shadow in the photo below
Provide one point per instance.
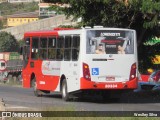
(131, 97)
(141, 97)
(53, 95)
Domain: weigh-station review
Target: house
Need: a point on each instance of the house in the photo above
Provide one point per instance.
(22, 18)
(44, 10)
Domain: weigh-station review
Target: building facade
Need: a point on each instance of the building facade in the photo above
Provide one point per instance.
(44, 10)
(19, 19)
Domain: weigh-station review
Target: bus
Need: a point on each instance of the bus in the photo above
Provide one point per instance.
(80, 61)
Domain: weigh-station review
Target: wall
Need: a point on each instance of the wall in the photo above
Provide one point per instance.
(44, 24)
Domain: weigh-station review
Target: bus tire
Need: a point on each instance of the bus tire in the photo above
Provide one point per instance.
(37, 92)
(64, 91)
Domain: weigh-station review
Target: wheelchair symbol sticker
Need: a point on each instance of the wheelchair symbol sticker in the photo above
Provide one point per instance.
(95, 71)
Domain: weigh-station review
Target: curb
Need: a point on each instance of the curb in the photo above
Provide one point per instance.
(2, 105)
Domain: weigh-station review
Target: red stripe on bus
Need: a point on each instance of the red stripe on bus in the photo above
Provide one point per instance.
(85, 84)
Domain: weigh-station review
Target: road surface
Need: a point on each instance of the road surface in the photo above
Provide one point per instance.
(20, 98)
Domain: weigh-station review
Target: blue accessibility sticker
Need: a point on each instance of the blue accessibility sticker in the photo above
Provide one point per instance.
(95, 71)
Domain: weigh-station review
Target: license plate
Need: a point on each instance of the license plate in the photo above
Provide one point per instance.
(110, 78)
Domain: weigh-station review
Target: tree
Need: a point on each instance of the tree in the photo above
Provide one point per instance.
(141, 15)
(1, 24)
(8, 43)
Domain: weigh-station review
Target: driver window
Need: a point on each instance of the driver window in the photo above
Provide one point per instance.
(35, 46)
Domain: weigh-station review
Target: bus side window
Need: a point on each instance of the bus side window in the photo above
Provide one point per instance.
(52, 48)
(60, 48)
(35, 45)
(67, 48)
(75, 47)
(43, 48)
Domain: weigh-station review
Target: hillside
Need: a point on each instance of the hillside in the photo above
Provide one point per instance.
(14, 8)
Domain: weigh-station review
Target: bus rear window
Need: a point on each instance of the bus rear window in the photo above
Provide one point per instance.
(110, 42)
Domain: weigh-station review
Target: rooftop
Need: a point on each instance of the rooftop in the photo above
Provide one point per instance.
(24, 15)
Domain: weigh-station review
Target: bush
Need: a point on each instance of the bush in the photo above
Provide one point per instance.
(8, 43)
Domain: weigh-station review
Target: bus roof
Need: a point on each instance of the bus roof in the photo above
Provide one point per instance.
(56, 31)
(40, 33)
(53, 32)
(49, 32)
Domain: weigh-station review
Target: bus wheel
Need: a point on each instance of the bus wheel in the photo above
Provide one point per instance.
(36, 91)
(64, 90)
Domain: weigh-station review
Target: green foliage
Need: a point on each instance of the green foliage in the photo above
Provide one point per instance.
(69, 26)
(152, 41)
(114, 13)
(151, 11)
(58, 10)
(141, 15)
(8, 43)
(1, 24)
(21, 42)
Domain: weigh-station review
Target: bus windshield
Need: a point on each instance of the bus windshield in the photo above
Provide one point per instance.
(110, 42)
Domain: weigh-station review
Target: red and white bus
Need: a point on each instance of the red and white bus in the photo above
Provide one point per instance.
(98, 59)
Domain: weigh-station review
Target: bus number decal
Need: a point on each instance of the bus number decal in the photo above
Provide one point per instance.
(111, 86)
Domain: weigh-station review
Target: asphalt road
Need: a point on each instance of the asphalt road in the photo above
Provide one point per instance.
(20, 98)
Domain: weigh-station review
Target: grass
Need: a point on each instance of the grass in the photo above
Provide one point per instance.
(10, 8)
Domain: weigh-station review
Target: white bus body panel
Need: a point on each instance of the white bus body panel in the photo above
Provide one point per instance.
(108, 66)
(118, 67)
(105, 66)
